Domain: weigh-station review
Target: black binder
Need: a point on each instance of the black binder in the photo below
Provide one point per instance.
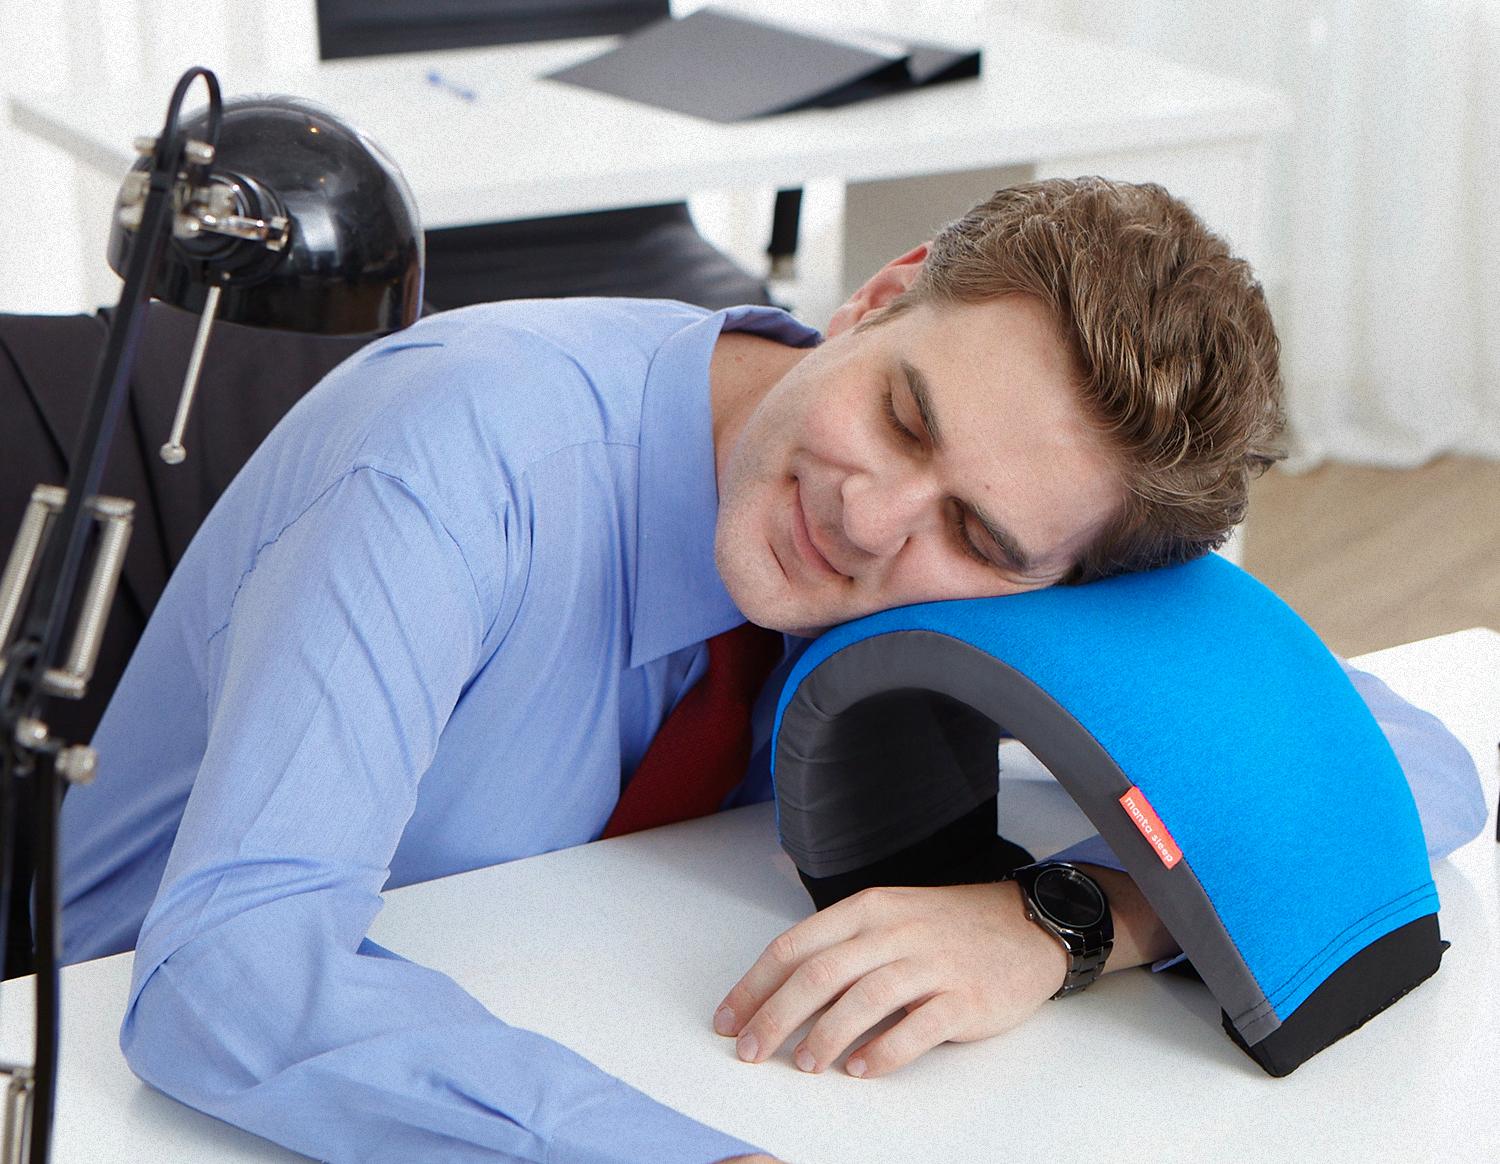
(726, 67)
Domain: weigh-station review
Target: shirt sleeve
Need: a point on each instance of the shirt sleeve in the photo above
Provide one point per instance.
(256, 996)
(1441, 773)
(1440, 770)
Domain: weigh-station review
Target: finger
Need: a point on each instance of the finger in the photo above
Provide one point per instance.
(923, 1029)
(781, 958)
(820, 980)
(885, 990)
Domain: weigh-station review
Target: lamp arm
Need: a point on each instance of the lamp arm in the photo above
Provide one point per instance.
(27, 750)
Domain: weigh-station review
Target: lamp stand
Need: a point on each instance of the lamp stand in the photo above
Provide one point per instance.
(38, 593)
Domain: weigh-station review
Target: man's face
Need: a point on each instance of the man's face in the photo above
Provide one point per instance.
(939, 454)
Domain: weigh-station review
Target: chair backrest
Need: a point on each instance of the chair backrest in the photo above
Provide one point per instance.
(1207, 733)
(47, 365)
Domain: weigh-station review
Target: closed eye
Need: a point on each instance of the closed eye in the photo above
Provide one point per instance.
(966, 540)
(897, 427)
(960, 514)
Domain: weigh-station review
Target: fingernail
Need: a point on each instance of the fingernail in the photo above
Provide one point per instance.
(724, 1021)
(747, 1047)
(856, 1068)
(805, 1061)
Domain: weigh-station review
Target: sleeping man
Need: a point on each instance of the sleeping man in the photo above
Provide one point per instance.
(439, 618)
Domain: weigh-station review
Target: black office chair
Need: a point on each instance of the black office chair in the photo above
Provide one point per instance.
(250, 379)
(649, 252)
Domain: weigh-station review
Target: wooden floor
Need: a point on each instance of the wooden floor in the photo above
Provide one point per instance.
(1375, 557)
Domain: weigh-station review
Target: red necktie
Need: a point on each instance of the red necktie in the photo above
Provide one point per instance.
(701, 751)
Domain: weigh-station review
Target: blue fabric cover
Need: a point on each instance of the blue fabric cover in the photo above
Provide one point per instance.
(1243, 732)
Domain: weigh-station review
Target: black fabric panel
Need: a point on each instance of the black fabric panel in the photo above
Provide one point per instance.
(878, 777)
(964, 852)
(1351, 996)
(646, 252)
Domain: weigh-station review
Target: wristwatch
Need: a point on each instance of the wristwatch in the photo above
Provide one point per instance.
(1069, 904)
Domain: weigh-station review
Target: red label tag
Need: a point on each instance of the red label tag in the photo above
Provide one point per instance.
(1144, 817)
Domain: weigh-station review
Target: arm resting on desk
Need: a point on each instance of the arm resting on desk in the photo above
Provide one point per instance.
(256, 996)
(964, 962)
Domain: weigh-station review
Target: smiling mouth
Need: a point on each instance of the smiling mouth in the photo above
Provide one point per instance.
(802, 538)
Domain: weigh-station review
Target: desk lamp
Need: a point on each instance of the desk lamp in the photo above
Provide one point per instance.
(266, 211)
(1207, 733)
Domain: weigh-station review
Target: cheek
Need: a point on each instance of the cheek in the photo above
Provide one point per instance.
(758, 456)
(823, 410)
(938, 574)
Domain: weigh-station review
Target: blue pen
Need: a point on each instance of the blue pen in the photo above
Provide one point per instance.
(437, 79)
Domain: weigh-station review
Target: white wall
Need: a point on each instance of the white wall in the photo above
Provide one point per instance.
(79, 46)
(40, 259)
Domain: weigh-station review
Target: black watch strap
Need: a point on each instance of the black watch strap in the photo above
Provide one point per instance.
(1071, 906)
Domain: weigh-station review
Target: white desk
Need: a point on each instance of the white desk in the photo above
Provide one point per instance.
(655, 927)
(525, 147)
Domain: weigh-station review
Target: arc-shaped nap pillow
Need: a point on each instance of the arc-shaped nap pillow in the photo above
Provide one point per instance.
(1186, 710)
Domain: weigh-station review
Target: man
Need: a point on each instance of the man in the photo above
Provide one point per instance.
(437, 620)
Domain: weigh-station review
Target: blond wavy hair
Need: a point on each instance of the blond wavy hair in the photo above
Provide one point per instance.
(1178, 356)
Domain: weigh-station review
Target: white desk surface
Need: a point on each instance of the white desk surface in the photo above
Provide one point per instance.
(527, 147)
(621, 949)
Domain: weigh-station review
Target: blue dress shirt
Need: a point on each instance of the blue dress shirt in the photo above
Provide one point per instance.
(432, 626)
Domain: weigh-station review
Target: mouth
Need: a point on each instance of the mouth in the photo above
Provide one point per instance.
(802, 539)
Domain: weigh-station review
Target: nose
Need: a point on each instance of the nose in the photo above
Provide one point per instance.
(884, 509)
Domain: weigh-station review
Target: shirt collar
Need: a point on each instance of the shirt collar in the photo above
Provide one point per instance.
(679, 598)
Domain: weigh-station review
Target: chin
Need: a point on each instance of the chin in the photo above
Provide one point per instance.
(781, 613)
(762, 591)
(765, 607)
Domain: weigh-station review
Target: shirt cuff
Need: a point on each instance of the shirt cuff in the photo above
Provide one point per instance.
(625, 1125)
(1090, 851)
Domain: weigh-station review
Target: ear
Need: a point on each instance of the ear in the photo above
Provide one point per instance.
(883, 286)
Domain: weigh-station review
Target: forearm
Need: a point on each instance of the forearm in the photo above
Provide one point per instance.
(254, 997)
(1140, 936)
(364, 1057)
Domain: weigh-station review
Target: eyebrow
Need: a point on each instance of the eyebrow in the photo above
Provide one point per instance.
(916, 384)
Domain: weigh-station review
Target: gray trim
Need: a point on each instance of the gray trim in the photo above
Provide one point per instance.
(830, 824)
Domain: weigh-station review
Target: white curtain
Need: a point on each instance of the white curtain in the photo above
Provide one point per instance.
(1384, 263)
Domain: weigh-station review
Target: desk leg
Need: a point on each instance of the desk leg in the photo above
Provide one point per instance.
(738, 222)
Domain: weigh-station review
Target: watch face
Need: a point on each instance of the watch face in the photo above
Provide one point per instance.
(1068, 898)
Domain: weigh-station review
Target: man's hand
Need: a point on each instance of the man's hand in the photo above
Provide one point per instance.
(963, 961)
